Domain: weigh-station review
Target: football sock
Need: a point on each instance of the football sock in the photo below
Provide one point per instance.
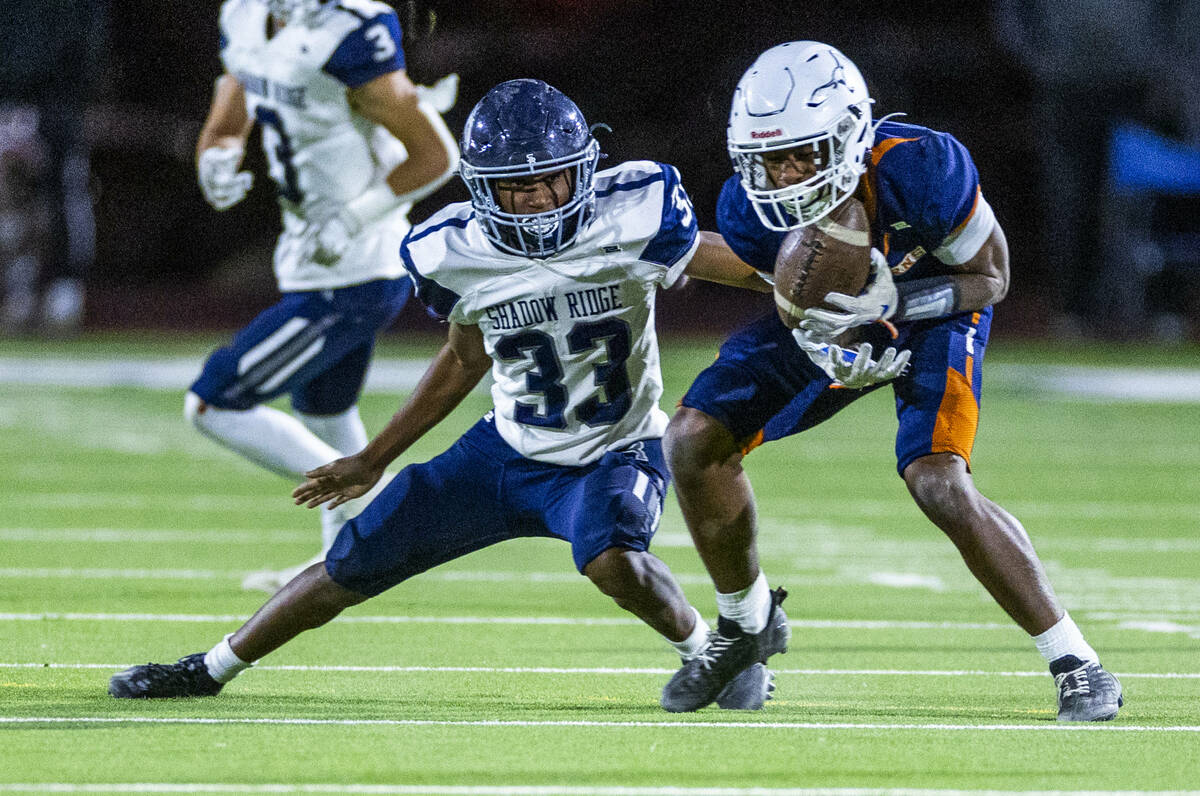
(749, 607)
(344, 432)
(265, 436)
(695, 641)
(222, 662)
(1062, 639)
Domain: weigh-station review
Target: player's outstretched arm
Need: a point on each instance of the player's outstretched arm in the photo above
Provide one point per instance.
(454, 372)
(714, 261)
(391, 100)
(222, 143)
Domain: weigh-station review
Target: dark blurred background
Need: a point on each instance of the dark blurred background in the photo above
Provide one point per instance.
(1083, 117)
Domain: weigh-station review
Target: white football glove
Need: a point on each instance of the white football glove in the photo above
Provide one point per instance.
(876, 303)
(220, 181)
(329, 232)
(441, 95)
(853, 369)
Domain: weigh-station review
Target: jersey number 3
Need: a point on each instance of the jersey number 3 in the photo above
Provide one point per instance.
(546, 377)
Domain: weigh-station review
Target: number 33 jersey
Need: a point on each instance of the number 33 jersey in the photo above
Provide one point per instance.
(320, 152)
(576, 365)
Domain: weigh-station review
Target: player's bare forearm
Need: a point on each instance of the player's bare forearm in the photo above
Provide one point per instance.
(227, 124)
(454, 372)
(983, 280)
(714, 261)
(391, 101)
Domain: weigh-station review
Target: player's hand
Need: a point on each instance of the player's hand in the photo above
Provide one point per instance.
(220, 181)
(876, 303)
(330, 231)
(336, 482)
(853, 369)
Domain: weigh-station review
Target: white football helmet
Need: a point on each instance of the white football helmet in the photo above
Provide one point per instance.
(296, 10)
(803, 93)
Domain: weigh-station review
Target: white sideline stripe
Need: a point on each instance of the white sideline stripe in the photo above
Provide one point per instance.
(174, 373)
(699, 725)
(535, 790)
(156, 535)
(616, 670)
(859, 624)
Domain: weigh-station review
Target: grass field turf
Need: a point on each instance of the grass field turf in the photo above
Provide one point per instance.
(125, 535)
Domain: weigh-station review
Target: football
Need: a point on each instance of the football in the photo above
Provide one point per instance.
(833, 255)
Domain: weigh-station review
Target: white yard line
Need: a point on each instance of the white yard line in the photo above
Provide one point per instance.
(856, 624)
(531, 790)
(616, 670)
(684, 725)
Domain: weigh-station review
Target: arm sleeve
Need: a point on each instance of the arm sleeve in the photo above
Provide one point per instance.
(370, 50)
(740, 228)
(956, 219)
(677, 235)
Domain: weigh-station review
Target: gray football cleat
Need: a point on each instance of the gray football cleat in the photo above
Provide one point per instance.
(728, 653)
(1086, 692)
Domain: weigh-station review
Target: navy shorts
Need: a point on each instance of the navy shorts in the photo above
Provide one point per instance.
(481, 491)
(314, 345)
(762, 386)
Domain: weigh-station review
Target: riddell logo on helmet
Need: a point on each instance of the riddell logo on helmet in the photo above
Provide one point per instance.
(766, 133)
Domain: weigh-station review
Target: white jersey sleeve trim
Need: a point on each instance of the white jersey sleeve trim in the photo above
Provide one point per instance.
(965, 242)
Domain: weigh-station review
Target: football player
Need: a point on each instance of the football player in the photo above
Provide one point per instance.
(802, 141)
(548, 279)
(351, 145)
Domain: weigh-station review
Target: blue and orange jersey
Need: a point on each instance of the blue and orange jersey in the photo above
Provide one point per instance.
(921, 193)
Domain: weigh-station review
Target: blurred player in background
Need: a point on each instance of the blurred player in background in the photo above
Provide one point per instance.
(802, 141)
(548, 278)
(50, 64)
(351, 144)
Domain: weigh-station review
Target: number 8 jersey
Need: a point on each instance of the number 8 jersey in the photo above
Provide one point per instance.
(320, 152)
(576, 368)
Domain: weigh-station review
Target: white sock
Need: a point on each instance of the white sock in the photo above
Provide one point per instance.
(749, 607)
(1062, 639)
(688, 648)
(265, 436)
(344, 432)
(222, 662)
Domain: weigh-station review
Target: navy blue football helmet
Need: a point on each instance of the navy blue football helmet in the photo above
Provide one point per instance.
(521, 128)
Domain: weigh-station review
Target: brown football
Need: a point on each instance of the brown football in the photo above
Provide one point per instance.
(833, 255)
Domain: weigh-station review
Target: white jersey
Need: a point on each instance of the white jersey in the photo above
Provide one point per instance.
(320, 152)
(576, 356)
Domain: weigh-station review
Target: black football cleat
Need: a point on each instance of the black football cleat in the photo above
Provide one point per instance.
(188, 677)
(729, 652)
(1086, 692)
(749, 690)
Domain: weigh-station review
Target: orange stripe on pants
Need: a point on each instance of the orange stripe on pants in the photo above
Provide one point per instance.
(958, 415)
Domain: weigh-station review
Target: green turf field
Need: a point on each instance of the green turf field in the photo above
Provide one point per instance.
(125, 535)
